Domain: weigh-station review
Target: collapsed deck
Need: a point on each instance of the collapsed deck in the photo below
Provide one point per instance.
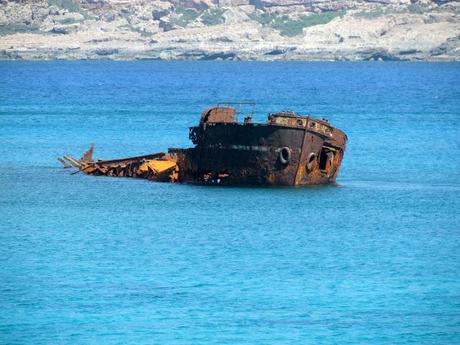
(287, 150)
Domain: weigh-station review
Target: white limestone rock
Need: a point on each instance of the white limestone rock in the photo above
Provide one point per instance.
(274, 30)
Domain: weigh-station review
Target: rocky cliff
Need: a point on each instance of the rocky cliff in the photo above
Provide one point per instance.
(231, 29)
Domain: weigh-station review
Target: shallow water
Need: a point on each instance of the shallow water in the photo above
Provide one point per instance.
(374, 259)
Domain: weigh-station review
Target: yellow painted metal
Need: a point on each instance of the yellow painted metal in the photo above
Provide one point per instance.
(157, 166)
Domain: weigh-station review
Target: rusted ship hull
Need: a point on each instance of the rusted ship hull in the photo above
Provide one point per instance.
(288, 150)
(250, 154)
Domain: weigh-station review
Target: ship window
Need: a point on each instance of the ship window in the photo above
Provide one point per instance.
(323, 159)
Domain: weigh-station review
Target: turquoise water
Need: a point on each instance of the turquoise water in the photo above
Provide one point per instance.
(97, 260)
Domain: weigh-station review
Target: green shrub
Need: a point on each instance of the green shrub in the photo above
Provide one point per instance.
(184, 16)
(264, 18)
(415, 9)
(69, 5)
(371, 14)
(14, 28)
(293, 27)
(212, 17)
(67, 21)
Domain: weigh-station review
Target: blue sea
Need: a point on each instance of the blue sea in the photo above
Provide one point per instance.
(374, 259)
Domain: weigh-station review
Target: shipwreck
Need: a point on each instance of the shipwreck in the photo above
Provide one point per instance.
(287, 150)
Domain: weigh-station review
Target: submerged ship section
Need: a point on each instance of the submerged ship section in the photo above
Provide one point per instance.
(287, 150)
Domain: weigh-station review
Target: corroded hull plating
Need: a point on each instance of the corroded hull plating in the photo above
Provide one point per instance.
(236, 154)
(288, 150)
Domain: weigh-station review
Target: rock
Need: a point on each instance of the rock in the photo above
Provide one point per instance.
(157, 14)
(59, 30)
(231, 29)
(106, 52)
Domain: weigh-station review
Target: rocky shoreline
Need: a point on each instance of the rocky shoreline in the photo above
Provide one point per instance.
(231, 30)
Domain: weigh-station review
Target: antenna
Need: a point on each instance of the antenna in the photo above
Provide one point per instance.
(239, 104)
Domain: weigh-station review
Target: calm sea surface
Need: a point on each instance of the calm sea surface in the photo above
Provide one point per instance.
(97, 260)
